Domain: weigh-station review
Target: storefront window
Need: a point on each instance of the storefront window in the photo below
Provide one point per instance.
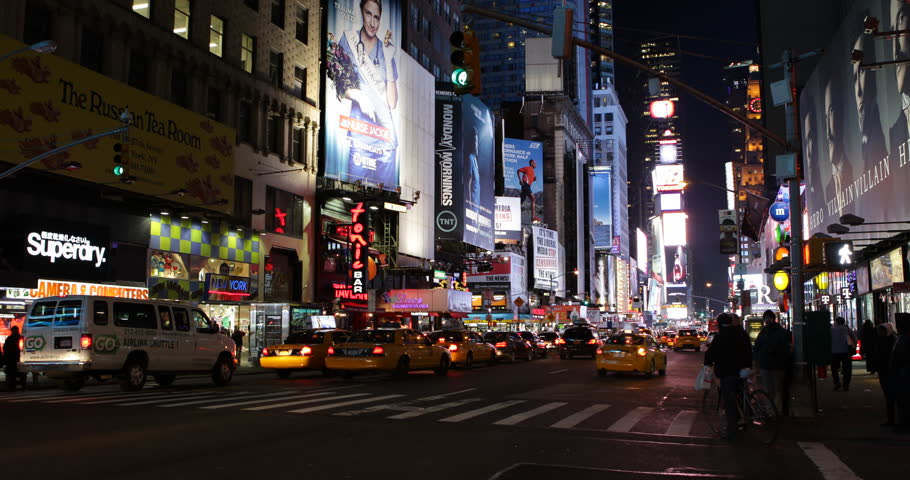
(167, 265)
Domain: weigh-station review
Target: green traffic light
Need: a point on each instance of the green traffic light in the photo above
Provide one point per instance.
(460, 77)
(118, 170)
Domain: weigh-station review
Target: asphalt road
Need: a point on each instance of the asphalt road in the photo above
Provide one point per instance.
(549, 418)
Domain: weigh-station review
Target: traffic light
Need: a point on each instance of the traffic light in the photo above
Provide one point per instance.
(465, 62)
(121, 154)
(562, 32)
(814, 252)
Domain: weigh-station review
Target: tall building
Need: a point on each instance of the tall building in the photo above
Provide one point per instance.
(600, 26)
(429, 25)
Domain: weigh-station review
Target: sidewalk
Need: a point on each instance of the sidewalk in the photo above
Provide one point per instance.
(854, 415)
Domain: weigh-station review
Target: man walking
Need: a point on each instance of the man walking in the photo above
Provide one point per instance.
(526, 178)
(237, 337)
(11, 359)
(843, 345)
(772, 356)
(731, 356)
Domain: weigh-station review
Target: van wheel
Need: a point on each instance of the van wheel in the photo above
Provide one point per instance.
(74, 384)
(222, 372)
(165, 380)
(133, 377)
(283, 373)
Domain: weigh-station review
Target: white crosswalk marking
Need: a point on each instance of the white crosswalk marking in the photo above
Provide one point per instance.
(433, 409)
(80, 398)
(520, 417)
(165, 400)
(299, 402)
(287, 396)
(60, 396)
(343, 404)
(682, 424)
(578, 417)
(831, 467)
(628, 421)
(147, 397)
(232, 396)
(480, 411)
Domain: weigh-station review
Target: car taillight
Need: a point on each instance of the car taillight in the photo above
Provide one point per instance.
(502, 344)
(592, 341)
(330, 351)
(21, 344)
(453, 348)
(642, 352)
(378, 350)
(560, 341)
(600, 351)
(306, 351)
(441, 340)
(86, 341)
(528, 343)
(265, 352)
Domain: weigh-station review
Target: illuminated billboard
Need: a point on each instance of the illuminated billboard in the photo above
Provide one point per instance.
(662, 109)
(674, 229)
(670, 202)
(602, 196)
(508, 220)
(641, 250)
(668, 178)
(547, 266)
(362, 112)
(522, 164)
(677, 269)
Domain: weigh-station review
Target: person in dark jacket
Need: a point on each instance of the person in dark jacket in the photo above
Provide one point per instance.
(11, 359)
(900, 365)
(731, 356)
(843, 346)
(237, 337)
(867, 343)
(773, 347)
(880, 362)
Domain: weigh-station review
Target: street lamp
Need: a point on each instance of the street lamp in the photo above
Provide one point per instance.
(46, 46)
(552, 290)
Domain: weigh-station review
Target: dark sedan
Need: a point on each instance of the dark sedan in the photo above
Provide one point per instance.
(510, 345)
(578, 341)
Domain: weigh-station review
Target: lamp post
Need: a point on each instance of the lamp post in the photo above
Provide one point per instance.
(552, 290)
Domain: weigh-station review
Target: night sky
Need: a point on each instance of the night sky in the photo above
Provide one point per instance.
(727, 29)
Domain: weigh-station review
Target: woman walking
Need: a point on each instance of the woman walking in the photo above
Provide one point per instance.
(880, 362)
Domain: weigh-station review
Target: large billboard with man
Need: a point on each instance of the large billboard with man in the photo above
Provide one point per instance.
(522, 162)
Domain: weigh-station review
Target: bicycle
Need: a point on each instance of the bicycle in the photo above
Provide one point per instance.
(758, 415)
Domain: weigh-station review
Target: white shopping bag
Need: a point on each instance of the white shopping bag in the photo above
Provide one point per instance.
(704, 378)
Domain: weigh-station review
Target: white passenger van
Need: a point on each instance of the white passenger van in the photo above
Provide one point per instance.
(76, 337)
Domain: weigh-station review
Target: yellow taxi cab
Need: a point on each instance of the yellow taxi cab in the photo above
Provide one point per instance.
(464, 347)
(687, 339)
(629, 352)
(703, 336)
(303, 350)
(397, 350)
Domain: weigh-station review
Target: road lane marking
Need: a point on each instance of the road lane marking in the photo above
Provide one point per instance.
(629, 420)
(520, 417)
(286, 396)
(164, 400)
(69, 397)
(581, 416)
(827, 462)
(404, 406)
(344, 404)
(637, 473)
(166, 396)
(682, 424)
(299, 402)
(230, 396)
(444, 395)
(559, 371)
(433, 409)
(480, 411)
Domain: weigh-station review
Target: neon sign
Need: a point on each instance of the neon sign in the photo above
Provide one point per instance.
(280, 220)
(227, 286)
(359, 239)
(345, 291)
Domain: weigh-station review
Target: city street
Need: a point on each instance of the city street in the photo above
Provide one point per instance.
(550, 418)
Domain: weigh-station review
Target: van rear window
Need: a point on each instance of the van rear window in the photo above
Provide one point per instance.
(135, 315)
(42, 314)
(69, 313)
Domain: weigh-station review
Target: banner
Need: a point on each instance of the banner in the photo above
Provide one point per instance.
(602, 196)
(477, 147)
(450, 200)
(522, 162)
(508, 220)
(547, 267)
(854, 123)
(729, 241)
(362, 112)
(49, 102)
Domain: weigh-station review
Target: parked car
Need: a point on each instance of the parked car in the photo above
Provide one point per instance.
(465, 347)
(540, 349)
(578, 341)
(303, 350)
(510, 345)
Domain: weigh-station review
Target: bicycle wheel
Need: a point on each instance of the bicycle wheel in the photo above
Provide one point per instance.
(762, 423)
(712, 408)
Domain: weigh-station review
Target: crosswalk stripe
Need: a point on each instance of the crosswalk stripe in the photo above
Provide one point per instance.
(81, 398)
(299, 402)
(164, 400)
(147, 397)
(682, 424)
(433, 409)
(629, 420)
(520, 417)
(831, 467)
(232, 396)
(480, 411)
(343, 404)
(287, 396)
(59, 396)
(581, 416)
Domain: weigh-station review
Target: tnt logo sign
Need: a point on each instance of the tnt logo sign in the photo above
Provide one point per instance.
(34, 344)
(106, 345)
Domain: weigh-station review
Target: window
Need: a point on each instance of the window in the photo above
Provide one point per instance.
(278, 13)
(303, 24)
(254, 4)
(182, 18)
(139, 71)
(272, 138)
(216, 35)
(245, 122)
(42, 314)
(597, 117)
(100, 313)
(297, 146)
(608, 116)
(299, 81)
(213, 104)
(284, 212)
(135, 315)
(276, 67)
(164, 315)
(37, 23)
(142, 7)
(68, 313)
(412, 49)
(181, 320)
(203, 324)
(243, 198)
(179, 91)
(247, 52)
(92, 50)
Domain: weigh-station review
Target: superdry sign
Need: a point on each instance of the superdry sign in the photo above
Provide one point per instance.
(57, 249)
(54, 245)
(360, 251)
(449, 175)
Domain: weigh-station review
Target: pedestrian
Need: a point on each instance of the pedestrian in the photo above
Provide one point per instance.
(867, 337)
(731, 356)
(11, 359)
(843, 345)
(773, 348)
(237, 337)
(880, 361)
(900, 365)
